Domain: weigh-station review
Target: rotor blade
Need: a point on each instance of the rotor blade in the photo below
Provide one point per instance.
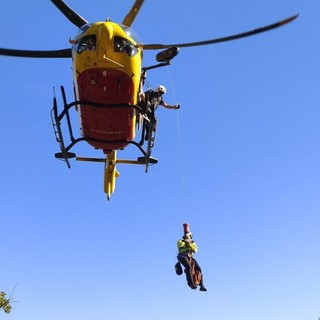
(63, 53)
(74, 17)
(128, 20)
(224, 39)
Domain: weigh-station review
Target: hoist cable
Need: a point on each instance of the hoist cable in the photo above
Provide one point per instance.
(182, 175)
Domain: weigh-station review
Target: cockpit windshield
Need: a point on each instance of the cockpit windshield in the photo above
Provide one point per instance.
(124, 45)
(87, 43)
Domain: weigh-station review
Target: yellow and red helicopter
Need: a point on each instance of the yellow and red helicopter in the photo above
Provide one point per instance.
(108, 79)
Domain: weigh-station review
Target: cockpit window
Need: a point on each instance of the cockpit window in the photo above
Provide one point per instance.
(87, 43)
(124, 45)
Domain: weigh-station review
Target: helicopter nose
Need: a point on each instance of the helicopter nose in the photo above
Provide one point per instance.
(105, 35)
(106, 30)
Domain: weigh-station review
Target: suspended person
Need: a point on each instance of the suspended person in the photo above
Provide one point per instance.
(153, 98)
(186, 249)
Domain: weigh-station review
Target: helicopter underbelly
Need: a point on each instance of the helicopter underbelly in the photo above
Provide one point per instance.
(111, 126)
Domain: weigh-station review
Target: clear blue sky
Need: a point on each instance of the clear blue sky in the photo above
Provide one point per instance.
(240, 161)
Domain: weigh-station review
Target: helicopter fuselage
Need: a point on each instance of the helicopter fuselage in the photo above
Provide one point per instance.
(107, 71)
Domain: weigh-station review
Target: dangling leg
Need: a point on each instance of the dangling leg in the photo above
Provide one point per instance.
(184, 260)
(198, 268)
(152, 124)
(178, 268)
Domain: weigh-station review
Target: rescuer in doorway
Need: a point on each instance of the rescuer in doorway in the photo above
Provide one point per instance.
(154, 99)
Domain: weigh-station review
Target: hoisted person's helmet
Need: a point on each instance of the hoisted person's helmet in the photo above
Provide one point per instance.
(161, 89)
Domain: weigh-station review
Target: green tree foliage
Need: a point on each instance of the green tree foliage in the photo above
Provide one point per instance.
(4, 302)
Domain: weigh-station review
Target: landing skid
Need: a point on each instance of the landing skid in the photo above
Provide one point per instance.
(56, 118)
(111, 160)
